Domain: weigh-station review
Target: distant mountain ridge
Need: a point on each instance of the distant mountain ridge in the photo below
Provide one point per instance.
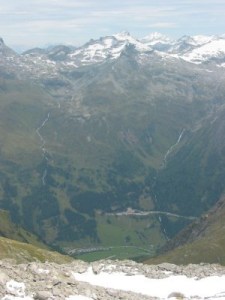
(195, 49)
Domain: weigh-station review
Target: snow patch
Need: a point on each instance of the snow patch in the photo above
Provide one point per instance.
(209, 50)
(123, 36)
(16, 291)
(155, 38)
(78, 297)
(203, 39)
(213, 286)
(15, 288)
(43, 271)
(10, 297)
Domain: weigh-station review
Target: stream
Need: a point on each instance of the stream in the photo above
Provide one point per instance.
(170, 150)
(45, 153)
(159, 212)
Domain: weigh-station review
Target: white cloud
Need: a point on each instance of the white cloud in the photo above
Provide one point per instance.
(61, 19)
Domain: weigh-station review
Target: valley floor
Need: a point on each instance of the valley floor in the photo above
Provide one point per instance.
(110, 280)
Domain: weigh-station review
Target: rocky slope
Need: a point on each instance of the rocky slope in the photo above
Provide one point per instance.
(81, 281)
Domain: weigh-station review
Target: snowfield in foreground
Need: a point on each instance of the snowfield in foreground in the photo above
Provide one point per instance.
(213, 286)
(109, 280)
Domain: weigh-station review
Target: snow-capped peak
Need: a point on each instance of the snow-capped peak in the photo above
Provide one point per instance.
(203, 39)
(109, 47)
(197, 40)
(214, 49)
(122, 36)
(158, 41)
(125, 36)
(156, 37)
(195, 49)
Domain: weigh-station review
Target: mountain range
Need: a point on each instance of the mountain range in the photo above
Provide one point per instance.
(114, 147)
(196, 49)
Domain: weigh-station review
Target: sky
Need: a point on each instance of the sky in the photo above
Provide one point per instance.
(26, 24)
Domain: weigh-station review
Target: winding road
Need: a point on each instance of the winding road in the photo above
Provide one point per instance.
(151, 212)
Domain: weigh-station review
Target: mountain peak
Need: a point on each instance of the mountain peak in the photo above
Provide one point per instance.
(123, 36)
(5, 50)
(203, 39)
(155, 36)
(197, 40)
(1, 41)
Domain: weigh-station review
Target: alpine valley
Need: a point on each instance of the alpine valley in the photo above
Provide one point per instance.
(112, 148)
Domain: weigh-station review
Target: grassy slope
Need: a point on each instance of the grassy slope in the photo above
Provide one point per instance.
(22, 246)
(201, 184)
(193, 180)
(22, 252)
(202, 241)
(12, 231)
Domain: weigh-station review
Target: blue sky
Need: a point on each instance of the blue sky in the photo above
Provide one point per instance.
(30, 23)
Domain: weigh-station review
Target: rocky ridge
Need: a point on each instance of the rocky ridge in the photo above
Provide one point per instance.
(42, 281)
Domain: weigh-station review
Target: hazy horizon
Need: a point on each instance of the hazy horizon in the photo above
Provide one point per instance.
(40, 23)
